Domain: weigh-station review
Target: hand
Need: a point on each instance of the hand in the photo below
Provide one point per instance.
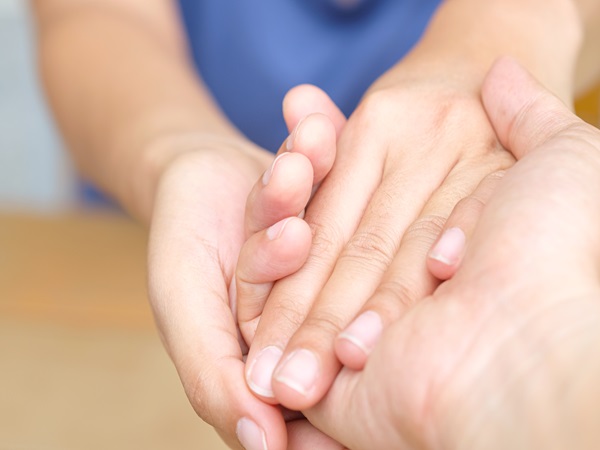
(197, 232)
(278, 239)
(507, 353)
(405, 158)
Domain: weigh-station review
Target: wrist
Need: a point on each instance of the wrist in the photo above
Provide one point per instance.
(465, 37)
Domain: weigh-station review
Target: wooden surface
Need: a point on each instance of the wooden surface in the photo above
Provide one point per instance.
(81, 366)
(588, 106)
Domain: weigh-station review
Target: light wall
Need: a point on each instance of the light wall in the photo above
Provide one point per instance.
(35, 175)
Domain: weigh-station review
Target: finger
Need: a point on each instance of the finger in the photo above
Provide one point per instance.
(302, 435)
(266, 257)
(334, 215)
(307, 99)
(287, 185)
(522, 112)
(300, 102)
(283, 191)
(376, 408)
(407, 280)
(315, 137)
(446, 255)
(188, 293)
(309, 364)
(371, 221)
(212, 375)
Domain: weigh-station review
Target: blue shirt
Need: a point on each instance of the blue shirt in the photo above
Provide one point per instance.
(251, 52)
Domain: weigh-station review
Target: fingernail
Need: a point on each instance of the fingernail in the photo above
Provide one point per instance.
(275, 231)
(261, 370)
(267, 175)
(364, 331)
(250, 435)
(299, 371)
(449, 247)
(289, 144)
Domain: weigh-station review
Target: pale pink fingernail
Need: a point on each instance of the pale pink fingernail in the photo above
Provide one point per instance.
(250, 435)
(260, 372)
(364, 331)
(449, 247)
(289, 144)
(275, 231)
(299, 371)
(267, 175)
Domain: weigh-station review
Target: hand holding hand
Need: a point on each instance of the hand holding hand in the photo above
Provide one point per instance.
(404, 159)
(506, 354)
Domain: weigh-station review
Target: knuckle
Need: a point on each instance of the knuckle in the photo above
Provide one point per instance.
(399, 294)
(372, 249)
(324, 322)
(452, 194)
(452, 109)
(328, 237)
(250, 303)
(290, 314)
(425, 229)
(377, 103)
(198, 393)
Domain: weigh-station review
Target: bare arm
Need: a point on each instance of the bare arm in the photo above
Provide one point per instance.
(120, 82)
(557, 40)
(142, 126)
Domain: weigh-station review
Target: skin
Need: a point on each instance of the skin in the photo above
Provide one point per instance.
(486, 363)
(142, 126)
(159, 152)
(372, 231)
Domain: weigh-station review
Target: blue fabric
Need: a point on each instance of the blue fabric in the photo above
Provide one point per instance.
(251, 52)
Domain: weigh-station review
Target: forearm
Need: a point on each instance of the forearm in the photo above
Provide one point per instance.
(547, 37)
(119, 82)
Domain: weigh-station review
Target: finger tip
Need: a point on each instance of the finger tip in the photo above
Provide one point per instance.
(261, 427)
(351, 354)
(317, 141)
(259, 372)
(441, 268)
(305, 99)
(300, 380)
(291, 394)
(293, 247)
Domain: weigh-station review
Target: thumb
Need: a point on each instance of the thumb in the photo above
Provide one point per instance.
(307, 99)
(523, 113)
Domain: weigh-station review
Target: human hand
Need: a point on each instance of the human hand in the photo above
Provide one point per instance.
(278, 239)
(507, 353)
(197, 232)
(404, 160)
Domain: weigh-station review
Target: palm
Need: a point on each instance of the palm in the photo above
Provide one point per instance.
(197, 232)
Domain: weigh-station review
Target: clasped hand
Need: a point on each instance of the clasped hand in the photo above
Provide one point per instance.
(404, 160)
(408, 169)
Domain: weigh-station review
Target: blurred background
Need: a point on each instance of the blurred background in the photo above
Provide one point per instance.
(81, 366)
